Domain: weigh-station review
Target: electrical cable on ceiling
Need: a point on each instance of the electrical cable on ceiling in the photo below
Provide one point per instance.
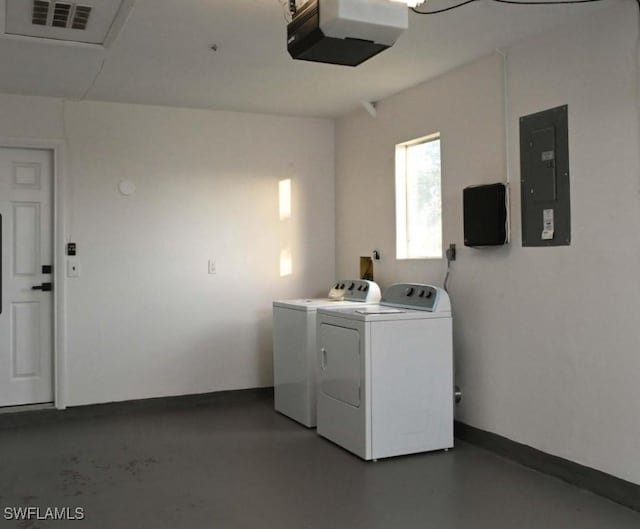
(441, 10)
(514, 2)
(289, 6)
(545, 2)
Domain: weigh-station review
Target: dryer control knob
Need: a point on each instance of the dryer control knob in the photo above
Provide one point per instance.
(352, 286)
(409, 291)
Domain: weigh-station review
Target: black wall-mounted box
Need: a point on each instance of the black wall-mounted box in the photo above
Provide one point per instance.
(486, 215)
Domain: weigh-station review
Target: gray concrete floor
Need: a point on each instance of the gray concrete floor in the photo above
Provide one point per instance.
(243, 466)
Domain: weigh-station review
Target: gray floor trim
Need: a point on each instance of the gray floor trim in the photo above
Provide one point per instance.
(29, 417)
(611, 487)
(27, 407)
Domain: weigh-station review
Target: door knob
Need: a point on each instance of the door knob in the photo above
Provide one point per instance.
(45, 287)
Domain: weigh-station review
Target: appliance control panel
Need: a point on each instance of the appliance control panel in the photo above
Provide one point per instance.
(416, 296)
(357, 290)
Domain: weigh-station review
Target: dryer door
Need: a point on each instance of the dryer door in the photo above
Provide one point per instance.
(340, 363)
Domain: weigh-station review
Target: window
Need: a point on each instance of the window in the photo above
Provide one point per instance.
(418, 199)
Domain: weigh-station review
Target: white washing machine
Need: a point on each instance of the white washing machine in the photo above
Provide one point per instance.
(385, 382)
(294, 346)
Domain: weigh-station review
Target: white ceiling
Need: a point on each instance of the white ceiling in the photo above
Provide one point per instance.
(162, 56)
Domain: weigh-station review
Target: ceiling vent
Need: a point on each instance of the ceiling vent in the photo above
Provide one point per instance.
(88, 22)
(80, 17)
(60, 14)
(40, 12)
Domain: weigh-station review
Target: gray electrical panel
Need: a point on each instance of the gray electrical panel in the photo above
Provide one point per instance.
(544, 173)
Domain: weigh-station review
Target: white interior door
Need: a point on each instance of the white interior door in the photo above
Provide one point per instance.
(26, 317)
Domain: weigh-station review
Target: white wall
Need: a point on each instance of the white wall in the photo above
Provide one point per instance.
(546, 339)
(145, 319)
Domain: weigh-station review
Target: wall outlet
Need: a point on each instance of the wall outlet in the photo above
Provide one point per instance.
(73, 268)
(212, 266)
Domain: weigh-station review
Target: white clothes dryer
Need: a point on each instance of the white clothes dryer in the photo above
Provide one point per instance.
(294, 346)
(385, 383)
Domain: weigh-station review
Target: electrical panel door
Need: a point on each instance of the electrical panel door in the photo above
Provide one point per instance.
(544, 173)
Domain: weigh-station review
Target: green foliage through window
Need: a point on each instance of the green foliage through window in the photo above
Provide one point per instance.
(419, 199)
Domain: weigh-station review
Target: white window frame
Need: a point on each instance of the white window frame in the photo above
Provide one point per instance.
(403, 250)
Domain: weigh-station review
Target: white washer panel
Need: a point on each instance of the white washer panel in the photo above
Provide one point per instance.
(412, 394)
(294, 336)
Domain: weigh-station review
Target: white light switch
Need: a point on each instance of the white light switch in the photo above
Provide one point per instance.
(212, 266)
(73, 268)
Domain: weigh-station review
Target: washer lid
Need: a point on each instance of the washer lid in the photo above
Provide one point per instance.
(344, 292)
(313, 304)
(378, 312)
(379, 309)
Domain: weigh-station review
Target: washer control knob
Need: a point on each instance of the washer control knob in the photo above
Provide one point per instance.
(337, 285)
(342, 286)
(352, 286)
(421, 295)
(365, 288)
(409, 291)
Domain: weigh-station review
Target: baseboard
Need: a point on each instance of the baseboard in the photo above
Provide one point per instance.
(601, 483)
(44, 416)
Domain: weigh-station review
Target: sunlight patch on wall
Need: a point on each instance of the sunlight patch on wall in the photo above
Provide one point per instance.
(286, 263)
(284, 206)
(284, 188)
